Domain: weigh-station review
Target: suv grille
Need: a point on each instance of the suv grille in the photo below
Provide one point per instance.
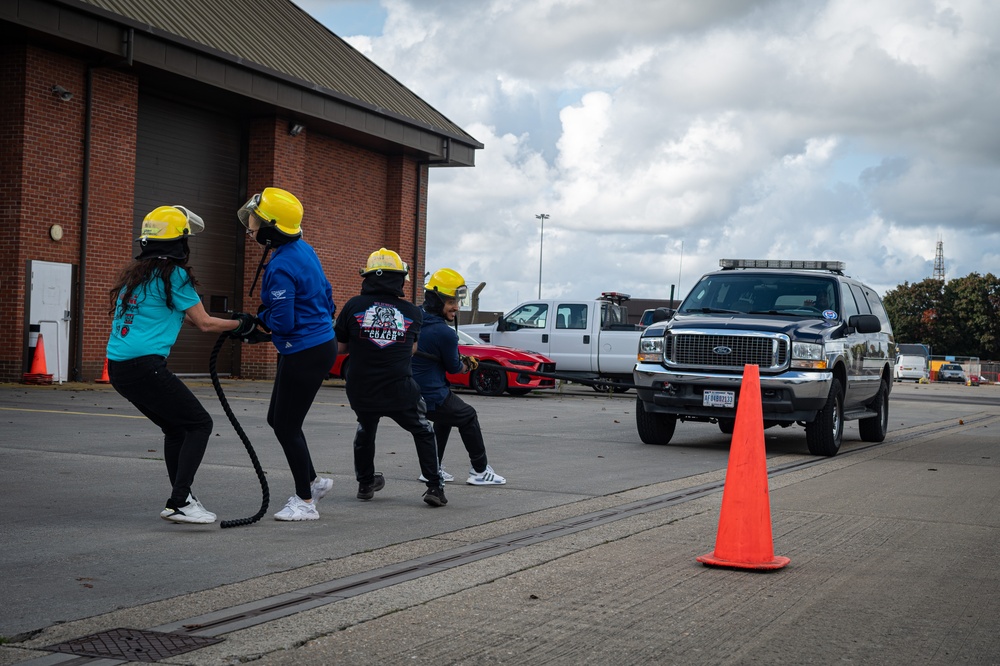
(709, 350)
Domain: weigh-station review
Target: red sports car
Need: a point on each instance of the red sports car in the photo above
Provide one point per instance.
(500, 368)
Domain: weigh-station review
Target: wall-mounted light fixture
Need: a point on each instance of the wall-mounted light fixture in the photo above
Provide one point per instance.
(295, 129)
(62, 93)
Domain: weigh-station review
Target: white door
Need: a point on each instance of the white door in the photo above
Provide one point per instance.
(49, 309)
(570, 345)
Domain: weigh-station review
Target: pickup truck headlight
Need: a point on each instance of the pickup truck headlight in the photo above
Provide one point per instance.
(808, 355)
(650, 350)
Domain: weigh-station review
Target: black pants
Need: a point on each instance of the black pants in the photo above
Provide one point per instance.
(165, 400)
(412, 419)
(296, 382)
(456, 413)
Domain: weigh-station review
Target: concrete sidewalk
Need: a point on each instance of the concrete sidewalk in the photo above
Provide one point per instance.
(893, 548)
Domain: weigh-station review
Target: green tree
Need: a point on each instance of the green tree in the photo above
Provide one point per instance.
(969, 324)
(913, 311)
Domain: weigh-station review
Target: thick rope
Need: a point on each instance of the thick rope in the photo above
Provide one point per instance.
(265, 494)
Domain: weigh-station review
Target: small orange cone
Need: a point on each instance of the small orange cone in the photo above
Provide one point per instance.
(38, 374)
(104, 379)
(744, 537)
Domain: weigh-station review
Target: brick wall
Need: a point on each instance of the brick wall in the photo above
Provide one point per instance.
(356, 201)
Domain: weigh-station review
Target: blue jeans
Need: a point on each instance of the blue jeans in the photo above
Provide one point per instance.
(165, 400)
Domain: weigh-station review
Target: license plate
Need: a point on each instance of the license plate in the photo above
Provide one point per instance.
(719, 399)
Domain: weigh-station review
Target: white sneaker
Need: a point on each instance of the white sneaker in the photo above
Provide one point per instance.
(320, 487)
(298, 509)
(485, 478)
(445, 476)
(192, 512)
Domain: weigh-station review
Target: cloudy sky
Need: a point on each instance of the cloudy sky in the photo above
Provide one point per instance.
(663, 135)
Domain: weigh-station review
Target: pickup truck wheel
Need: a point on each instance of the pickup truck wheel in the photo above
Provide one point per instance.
(727, 426)
(489, 379)
(873, 429)
(653, 428)
(824, 433)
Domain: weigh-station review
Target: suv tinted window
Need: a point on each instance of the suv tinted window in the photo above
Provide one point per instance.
(847, 297)
(876, 307)
(859, 297)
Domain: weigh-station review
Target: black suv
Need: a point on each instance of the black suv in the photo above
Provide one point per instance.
(821, 340)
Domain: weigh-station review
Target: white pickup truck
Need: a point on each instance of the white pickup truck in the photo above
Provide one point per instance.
(589, 339)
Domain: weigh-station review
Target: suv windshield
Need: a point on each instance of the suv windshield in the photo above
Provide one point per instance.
(755, 293)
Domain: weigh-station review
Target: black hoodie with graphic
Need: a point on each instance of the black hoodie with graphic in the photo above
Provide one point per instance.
(380, 329)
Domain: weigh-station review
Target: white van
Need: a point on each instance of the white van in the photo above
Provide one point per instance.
(909, 366)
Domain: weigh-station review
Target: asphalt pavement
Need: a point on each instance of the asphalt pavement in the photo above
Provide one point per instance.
(586, 556)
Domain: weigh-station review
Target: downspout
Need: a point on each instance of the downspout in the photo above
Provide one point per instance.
(84, 217)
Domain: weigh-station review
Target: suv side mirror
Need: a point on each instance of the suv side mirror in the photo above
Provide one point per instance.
(865, 323)
(662, 314)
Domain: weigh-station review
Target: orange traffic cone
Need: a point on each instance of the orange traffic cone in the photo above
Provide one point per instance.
(744, 537)
(38, 374)
(104, 379)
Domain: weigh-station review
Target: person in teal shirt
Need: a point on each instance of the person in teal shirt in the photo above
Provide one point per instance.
(153, 297)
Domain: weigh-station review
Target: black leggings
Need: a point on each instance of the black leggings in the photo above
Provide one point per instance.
(296, 382)
(165, 400)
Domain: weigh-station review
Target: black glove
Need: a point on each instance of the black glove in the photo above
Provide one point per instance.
(247, 325)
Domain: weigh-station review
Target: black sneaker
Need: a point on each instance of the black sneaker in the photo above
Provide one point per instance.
(366, 491)
(435, 497)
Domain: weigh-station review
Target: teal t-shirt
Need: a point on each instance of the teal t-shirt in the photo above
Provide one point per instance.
(148, 326)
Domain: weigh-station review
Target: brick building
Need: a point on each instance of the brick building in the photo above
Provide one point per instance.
(111, 108)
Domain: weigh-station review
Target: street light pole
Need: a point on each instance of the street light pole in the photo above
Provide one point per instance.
(541, 241)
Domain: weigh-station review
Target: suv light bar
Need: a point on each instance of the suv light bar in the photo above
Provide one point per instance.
(837, 266)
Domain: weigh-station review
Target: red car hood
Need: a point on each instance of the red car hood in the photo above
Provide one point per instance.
(495, 351)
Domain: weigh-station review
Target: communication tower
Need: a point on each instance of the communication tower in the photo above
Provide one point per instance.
(939, 261)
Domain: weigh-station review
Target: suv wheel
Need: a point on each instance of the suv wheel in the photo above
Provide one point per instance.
(873, 429)
(823, 434)
(726, 426)
(653, 428)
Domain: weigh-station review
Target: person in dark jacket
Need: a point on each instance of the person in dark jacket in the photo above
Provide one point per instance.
(297, 307)
(437, 354)
(380, 331)
(152, 297)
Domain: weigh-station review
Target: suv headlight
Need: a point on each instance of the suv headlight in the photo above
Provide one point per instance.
(808, 355)
(650, 350)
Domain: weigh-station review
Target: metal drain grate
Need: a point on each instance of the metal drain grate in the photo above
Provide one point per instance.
(133, 644)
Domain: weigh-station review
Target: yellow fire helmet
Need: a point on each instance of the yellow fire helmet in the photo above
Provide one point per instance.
(274, 207)
(170, 223)
(382, 261)
(449, 283)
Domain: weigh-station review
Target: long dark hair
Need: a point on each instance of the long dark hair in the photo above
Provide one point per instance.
(142, 271)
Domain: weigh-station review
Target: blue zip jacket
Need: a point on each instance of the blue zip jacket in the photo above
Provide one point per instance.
(438, 339)
(297, 298)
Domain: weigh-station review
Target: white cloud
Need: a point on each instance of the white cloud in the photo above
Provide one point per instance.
(662, 140)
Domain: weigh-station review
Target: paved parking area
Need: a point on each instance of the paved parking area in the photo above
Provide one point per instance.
(896, 533)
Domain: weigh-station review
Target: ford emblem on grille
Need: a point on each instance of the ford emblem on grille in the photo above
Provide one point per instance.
(722, 350)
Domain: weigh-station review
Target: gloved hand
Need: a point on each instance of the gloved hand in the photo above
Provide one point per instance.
(470, 362)
(247, 325)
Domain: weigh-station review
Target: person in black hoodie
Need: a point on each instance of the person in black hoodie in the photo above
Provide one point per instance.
(437, 354)
(380, 330)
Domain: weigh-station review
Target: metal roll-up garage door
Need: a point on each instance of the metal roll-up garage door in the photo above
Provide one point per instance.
(191, 157)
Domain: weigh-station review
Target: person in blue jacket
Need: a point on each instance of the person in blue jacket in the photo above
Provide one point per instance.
(152, 297)
(297, 307)
(437, 354)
